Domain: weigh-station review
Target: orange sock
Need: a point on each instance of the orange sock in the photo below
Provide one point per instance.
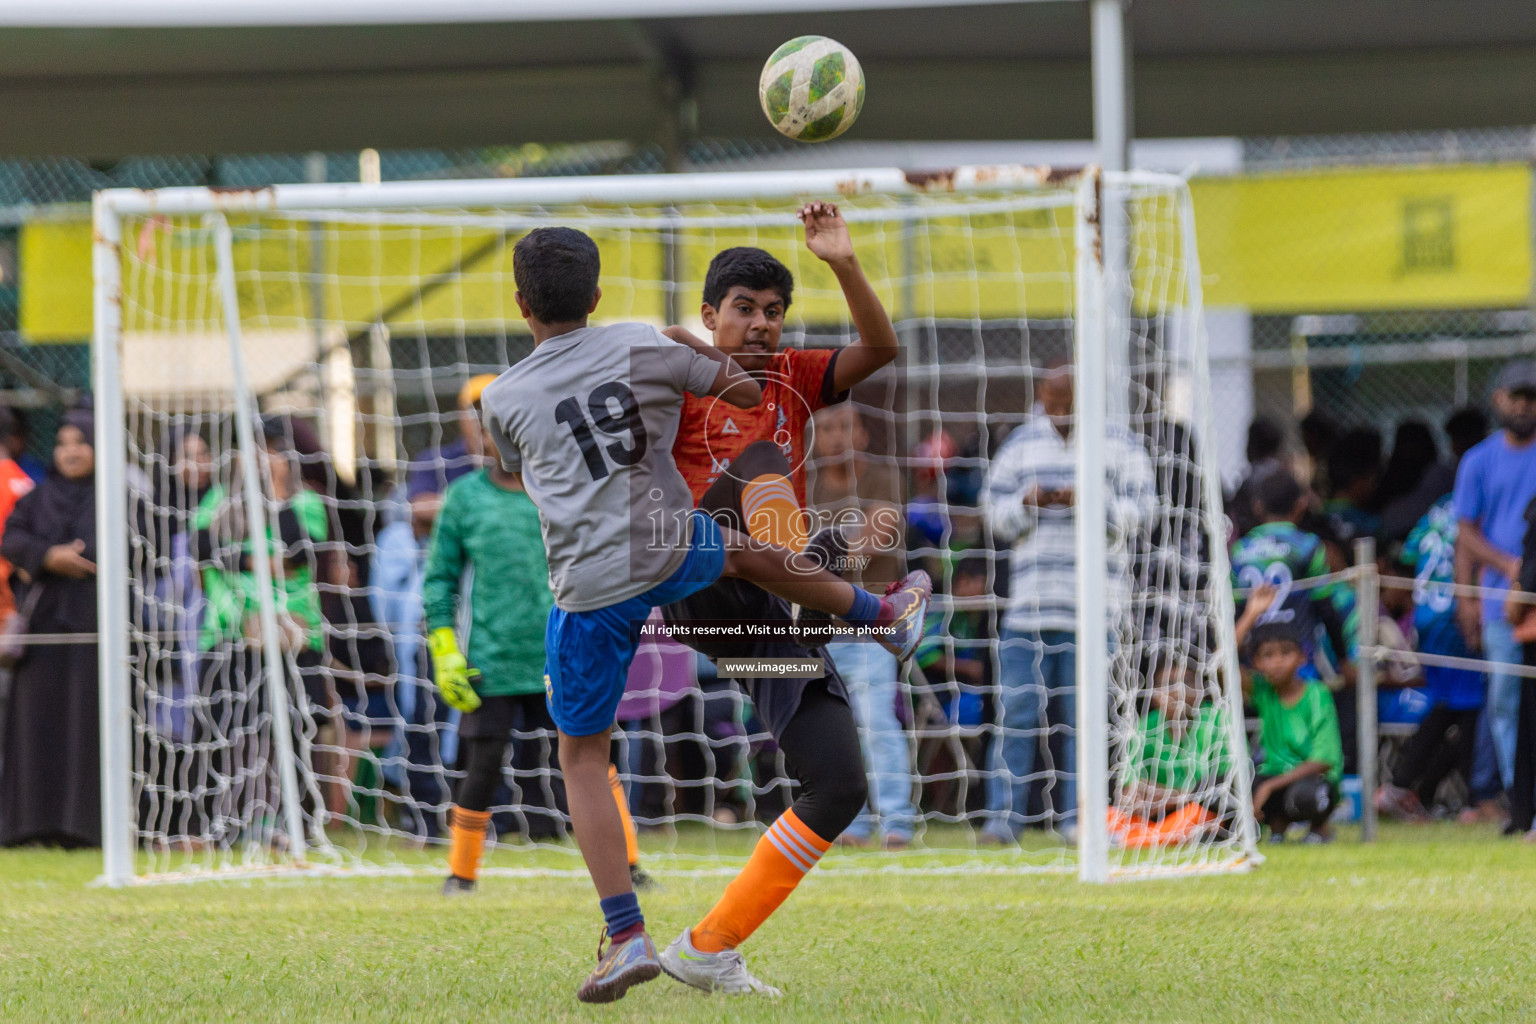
(631, 840)
(468, 828)
(772, 512)
(781, 859)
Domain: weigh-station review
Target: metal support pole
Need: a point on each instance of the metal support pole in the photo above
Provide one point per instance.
(1111, 85)
(1103, 391)
(1089, 432)
(117, 826)
(1112, 138)
(316, 173)
(1367, 607)
(671, 266)
(261, 533)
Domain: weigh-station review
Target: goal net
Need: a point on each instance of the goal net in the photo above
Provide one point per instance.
(278, 377)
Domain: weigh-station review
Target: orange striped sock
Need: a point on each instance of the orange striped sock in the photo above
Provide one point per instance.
(468, 829)
(785, 853)
(772, 512)
(631, 840)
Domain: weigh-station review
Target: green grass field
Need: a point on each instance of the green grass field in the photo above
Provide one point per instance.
(1431, 924)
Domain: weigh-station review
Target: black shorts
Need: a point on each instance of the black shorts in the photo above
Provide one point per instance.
(776, 700)
(497, 717)
(736, 600)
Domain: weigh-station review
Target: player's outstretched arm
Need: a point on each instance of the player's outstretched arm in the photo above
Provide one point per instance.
(732, 385)
(826, 235)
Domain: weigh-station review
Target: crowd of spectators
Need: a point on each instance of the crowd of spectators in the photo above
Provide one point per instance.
(982, 728)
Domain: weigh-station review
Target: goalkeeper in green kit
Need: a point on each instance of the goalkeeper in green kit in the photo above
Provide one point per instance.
(488, 534)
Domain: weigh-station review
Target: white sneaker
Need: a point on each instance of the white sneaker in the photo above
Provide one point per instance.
(724, 971)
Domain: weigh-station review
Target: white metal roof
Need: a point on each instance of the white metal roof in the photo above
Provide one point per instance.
(202, 13)
(554, 71)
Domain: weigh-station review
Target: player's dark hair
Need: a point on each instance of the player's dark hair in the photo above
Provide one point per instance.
(556, 270)
(751, 268)
(1274, 633)
(1277, 492)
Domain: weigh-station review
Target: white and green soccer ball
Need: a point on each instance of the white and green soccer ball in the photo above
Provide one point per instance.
(812, 88)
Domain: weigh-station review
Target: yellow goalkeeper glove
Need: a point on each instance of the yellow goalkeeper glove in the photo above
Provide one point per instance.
(455, 679)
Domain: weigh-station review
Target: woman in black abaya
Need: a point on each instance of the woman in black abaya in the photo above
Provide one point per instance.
(50, 789)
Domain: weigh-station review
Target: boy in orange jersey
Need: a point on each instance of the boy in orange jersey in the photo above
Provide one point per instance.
(746, 468)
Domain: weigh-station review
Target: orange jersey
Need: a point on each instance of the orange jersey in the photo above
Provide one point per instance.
(796, 383)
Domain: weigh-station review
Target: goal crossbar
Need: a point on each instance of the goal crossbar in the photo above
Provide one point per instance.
(601, 189)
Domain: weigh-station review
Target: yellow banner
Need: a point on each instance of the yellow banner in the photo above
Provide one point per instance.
(1338, 240)
(1360, 240)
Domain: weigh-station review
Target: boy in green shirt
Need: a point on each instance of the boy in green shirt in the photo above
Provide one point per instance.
(1298, 779)
(1176, 757)
(488, 529)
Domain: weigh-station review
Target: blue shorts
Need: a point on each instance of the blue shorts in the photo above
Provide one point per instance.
(587, 654)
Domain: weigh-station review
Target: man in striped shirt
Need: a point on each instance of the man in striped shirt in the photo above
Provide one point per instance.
(1029, 500)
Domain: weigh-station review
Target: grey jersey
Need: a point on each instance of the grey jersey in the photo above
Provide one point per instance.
(589, 419)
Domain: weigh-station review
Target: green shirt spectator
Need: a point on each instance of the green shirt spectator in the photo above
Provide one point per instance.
(1183, 759)
(492, 533)
(1306, 730)
(229, 584)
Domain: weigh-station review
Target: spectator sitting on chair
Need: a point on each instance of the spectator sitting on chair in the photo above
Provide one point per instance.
(1279, 552)
(1444, 739)
(1298, 780)
(1175, 759)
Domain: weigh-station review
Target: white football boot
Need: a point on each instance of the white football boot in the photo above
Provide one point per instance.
(724, 971)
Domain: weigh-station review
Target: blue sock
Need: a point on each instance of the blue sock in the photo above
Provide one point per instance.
(621, 912)
(865, 610)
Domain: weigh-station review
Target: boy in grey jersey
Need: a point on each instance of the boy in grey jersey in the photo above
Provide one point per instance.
(589, 420)
(595, 412)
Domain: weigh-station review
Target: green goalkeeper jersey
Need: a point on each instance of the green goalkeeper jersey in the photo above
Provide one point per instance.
(490, 536)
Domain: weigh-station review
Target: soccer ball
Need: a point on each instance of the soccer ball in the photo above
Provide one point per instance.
(812, 88)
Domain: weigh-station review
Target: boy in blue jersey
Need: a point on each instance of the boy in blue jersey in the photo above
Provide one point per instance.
(1444, 738)
(1278, 553)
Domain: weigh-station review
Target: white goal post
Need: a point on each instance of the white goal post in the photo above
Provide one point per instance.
(215, 306)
